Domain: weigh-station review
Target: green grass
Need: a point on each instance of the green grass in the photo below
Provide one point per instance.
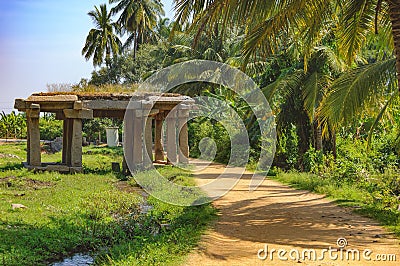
(182, 233)
(69, 213)
(371, 198)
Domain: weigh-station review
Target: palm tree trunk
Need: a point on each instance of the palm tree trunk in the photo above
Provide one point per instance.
(108, 58)
(135, 45)
(329, 142)
(318, 136)
(394, 12)
(304, 129)
(334, 147)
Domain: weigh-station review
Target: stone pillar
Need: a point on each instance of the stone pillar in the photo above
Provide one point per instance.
(66, 150)
(172, 153)
(158, 148)
(76, 143)
(28, 142)
(72, 156)
(137, 140)
(148, 137)
(32, 117)
(146, 143)
(134, 136)
(128, 140)
(183, 115)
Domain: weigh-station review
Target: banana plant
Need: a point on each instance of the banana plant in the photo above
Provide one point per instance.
(12, 125)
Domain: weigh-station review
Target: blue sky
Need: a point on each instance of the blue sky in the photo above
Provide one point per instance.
(41, 43)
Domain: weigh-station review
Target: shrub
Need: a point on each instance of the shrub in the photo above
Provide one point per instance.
(50, 128)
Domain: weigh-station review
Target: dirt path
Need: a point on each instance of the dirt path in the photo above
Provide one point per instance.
(6, 141)
(285, 218)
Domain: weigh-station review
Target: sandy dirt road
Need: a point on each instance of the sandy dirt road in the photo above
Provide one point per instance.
(284, 218)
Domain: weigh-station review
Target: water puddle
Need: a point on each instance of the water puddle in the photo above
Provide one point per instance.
(80, 259)
(76, 260)
(145, 208)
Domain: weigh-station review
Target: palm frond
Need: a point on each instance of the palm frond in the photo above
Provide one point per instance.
(378, 118)
(290, 22)
(315, 22)
(262, 37)
(312, 93)
(286, 84)
(356, 21)
(327, 56)
(349, 93)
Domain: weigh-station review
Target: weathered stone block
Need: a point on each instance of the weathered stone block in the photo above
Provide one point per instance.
(78, 114)
(53, 98)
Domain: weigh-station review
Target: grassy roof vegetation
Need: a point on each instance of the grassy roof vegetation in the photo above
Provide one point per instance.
(106, 92)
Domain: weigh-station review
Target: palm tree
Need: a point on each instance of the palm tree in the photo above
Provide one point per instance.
(394, 11)
(162, 30)
(301, 25)
(299, 94)
(266, 22)
(138, 18)
(102, 43)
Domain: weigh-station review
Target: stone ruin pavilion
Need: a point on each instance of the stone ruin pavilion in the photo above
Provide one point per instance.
(144, 108)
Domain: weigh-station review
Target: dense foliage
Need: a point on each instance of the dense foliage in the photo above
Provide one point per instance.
(325, 85)
(12, 125)
(50, 128)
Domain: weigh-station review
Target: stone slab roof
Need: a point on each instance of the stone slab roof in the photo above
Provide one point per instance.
(98, 101)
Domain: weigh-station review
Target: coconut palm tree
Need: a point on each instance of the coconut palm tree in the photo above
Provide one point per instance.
(301, 25)
(163, 28)
(138, 18)
(267, 22)
(102, 43)
(299, 94)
